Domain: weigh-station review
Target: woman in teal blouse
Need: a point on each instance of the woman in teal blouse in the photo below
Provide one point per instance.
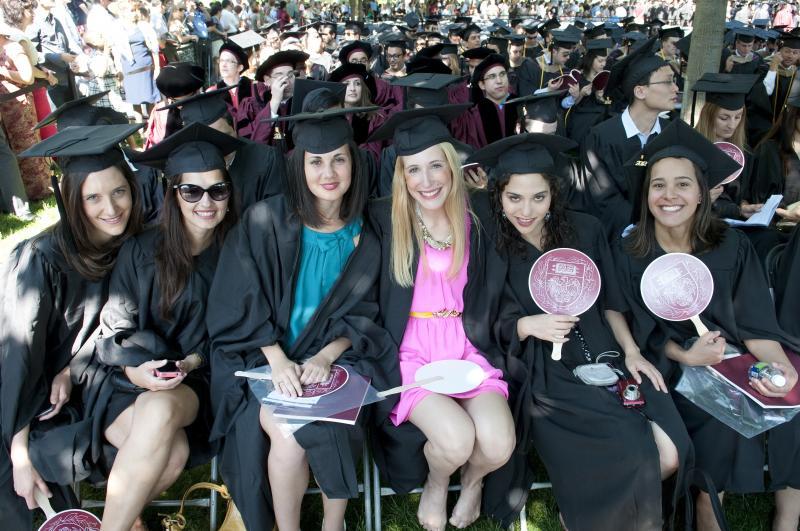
(295, 288)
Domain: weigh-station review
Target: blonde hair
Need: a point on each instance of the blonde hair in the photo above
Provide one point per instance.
(705, 125)
(406, 231)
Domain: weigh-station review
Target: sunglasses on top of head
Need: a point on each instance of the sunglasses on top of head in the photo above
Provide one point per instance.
(191, 193)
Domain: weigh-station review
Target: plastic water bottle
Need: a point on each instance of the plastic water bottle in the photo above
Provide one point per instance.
(764, 370)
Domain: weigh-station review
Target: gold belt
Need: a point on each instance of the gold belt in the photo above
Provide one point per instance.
(431, 315)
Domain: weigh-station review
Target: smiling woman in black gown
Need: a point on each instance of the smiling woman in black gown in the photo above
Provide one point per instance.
(606, 462)
(681, 166)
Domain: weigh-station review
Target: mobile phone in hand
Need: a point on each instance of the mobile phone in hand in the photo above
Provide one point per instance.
(168, 370)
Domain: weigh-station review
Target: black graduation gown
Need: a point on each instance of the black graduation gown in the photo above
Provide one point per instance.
(763, 110)
(252, 293)
(49, 318)
(584, 115)
(604, 152)
(134, 331)
(402, 462)
(257, 172)
(787, 286)
(600, 456)
(740, 309)
(151, 192)
(727, 204)
(484, 120)
(769, 175)
(524, 79)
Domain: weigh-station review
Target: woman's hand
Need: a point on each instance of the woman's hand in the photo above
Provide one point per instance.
(26, 480)
(552, 328)
(144, 376)
(767, 388)
(791, 213)
(554, 84)
(748, 210)
(316, 369)
(709, 349)
(477, 177)
(189, 363)
(636, 364)
(60, 390)
(286, 377)
(716, 192)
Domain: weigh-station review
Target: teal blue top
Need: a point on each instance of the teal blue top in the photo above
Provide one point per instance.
(322, 257)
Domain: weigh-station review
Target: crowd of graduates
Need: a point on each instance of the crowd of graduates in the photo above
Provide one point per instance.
(375, 196)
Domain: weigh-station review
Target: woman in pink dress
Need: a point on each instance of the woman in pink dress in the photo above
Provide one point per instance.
(438, 298)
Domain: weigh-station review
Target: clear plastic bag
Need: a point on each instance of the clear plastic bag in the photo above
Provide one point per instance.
(717, 397)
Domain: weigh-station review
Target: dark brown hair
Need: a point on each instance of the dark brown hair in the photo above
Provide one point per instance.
(173, 258)
(707, 230)
(303, 203)
(782, 133)
(92, 261)
(558, 230)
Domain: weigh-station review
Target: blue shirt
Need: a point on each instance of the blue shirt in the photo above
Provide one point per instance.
(322, 258)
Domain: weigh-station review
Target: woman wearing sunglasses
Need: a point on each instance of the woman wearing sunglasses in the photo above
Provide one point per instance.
(53, 287)
(295, 290)
(153, 326)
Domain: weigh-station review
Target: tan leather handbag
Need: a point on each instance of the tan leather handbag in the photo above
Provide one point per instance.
(233, 520)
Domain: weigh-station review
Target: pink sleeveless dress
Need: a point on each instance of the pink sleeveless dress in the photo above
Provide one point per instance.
(439, 338)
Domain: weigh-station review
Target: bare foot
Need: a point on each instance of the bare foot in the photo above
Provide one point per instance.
(139, 525)
(468, 506)
(432, 510)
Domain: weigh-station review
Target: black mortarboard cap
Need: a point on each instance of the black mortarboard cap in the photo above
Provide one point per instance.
(426, 89)
(542, 107)
(82, 112)
(449, 49)
(684, 45)
(477, 75)
(641, 28)
(237, 51)
(726, 90)
(549, 25)
(416, 130)
(471, 28)
(745, 35)
(463, 20)
(455, 29)
(205, 108)
(355, 46)
(595, 32)
(634, 36)
(790, 41)
(761, 22)
(354, 25)
(176, 80)
(657, 22)
(481, 53)
(524, 153)
(599, 46)
(323, 131)
(348, 70)
(286, 57)
(303, 87)
(565, 39)
(428, 65)
(501, 43)
(412, 20)
(195, 148)
(500, 27)
(431, 51)
(634, 68)
(673, 31)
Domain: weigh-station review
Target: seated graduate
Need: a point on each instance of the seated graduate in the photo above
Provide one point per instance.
(591, 107)
(255, 170)
(153, 326)
(360, 52)
(54, 285)
(580, 430)
(787, 285)
(296, 289)
(360, 92)
(492, 118)
(440, 290)
(681, 167)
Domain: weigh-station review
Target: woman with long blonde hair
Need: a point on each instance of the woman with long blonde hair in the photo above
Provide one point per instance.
(437, 299)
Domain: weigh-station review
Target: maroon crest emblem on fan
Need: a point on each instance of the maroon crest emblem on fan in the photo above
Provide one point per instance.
(733, 151)
(338, 377)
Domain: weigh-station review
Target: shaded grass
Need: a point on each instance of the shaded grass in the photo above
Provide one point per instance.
(13, 230)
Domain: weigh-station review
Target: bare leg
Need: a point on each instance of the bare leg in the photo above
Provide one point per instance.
(706, 521)
(333, 511)
(494, 441)
(787, 509)
(287, 468)
(143, 457)
(667, 451)
(451, 439)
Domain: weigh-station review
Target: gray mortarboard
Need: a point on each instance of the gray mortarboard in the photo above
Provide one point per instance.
(761, 22)
(725, 90)
(734, 24)
(672, 31)
(176, 80)
(323, 131)
(455, 29)
(477, 53)
(412, 20)
(599, 46)
(82, 112)
(634, 68)
(633, 36)
(416, 130)
(81, 149)
(565, 39)
(195, 148)
(205, 108)
(523, 153)
(679, 140)
(247, 39)
(425, 88)
(530, 25)
(303, 87)
(542, 107)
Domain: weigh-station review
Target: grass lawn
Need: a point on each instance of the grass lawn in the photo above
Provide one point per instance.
(745, 513)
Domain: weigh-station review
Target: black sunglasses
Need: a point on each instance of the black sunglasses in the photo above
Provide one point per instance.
(191, 193)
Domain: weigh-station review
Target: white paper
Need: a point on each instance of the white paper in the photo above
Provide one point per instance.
(763, 217)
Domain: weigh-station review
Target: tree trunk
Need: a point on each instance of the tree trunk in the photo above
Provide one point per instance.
(706, 48)
(355, 10)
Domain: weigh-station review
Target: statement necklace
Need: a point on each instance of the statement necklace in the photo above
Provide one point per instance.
(428, 237)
